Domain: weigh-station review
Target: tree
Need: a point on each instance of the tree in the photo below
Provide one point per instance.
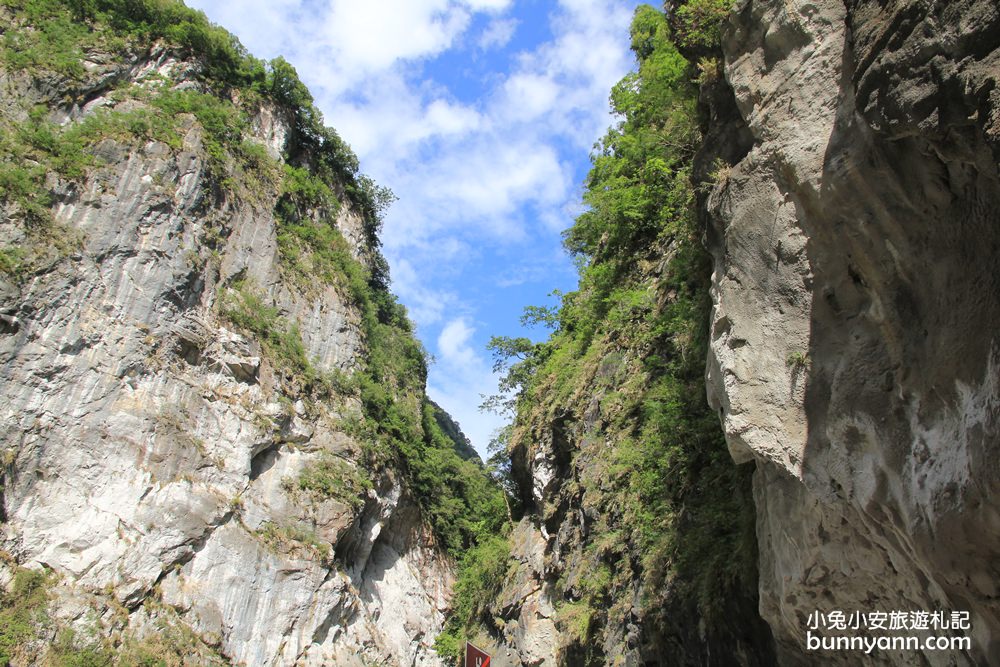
(516, 374)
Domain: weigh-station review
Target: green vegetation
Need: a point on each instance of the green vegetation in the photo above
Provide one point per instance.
(463, 504)
(293, 539)
(53, 36)
(279, 337)
(24, 621)
(56, 43)
(335, 478)
(33, 149)
(63, 30)
(575, 619)
(173, 644)
(668, 505)
(66, 651)
(698, 23)
(310, 245)
(11, 260)
(22, 611)
(797, 360)
(229, 155)
(482, 572)
(29, 151)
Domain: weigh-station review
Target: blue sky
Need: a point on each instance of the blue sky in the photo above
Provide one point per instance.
(480, 115)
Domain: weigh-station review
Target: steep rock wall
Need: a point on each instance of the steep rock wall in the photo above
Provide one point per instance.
(854, 352)
(151, 447)
(637, 544)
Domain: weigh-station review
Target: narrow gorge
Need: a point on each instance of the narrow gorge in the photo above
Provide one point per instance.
(774, 395)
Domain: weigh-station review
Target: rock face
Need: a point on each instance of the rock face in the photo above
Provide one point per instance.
(637, 543)
(151, 447)
(854, 350)
(160, 353)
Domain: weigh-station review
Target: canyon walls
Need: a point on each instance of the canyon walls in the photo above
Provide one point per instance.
(854, 349)
(215, 444)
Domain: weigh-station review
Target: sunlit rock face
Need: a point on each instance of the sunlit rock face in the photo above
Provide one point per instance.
(150, 449)
(855, 352)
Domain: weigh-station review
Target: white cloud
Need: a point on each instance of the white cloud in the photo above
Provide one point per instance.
(501, 177)
(374, 34)
(488, 5)
(268, 27)
(445, 118)
(544, 268)
(426, 305)
(341, 43)
(464, 375)
(529, 95)
(391, 120)
(453, 345)
(498, 34)
(474, 190)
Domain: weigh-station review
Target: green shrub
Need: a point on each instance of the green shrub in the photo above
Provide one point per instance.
(797, 360)
(699, 22)
(461, 501)
(11, 259)
(22, 611)
(575, 619)
(224, 58)
(55, 42)
(65, 652)
(309, 243)
(280, 338)
(285, 538)
(482, 572)
(171, 644)
(331, 477)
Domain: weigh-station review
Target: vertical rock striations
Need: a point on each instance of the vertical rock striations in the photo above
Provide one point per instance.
(854, 353)
(200, 361)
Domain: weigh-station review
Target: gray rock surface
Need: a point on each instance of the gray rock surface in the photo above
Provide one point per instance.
(854, 349)
(531, 632)
(148, 445)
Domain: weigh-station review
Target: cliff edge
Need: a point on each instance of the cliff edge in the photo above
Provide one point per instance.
(215, 440)
(854, 354)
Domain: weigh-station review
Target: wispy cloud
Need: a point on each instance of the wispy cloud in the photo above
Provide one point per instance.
(463, 369)
(534, 269)
(498, 33)
(453, 344)
(426, 305)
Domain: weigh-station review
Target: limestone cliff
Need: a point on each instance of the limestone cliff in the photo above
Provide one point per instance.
(200, 362)
(854, 350)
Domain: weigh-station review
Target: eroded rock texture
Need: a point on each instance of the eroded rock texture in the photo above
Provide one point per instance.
(854, 336)
(151, 450)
